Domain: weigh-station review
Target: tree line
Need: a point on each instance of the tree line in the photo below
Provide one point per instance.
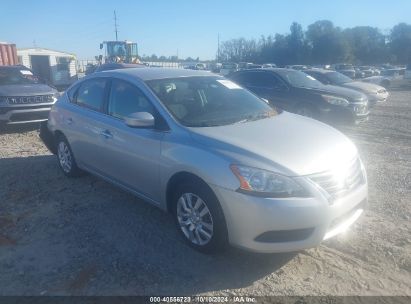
(323, 43)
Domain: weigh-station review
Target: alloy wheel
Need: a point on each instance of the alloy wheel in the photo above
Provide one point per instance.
(64, 156)
(195, 219)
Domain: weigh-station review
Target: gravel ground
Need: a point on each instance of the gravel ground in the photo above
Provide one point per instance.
(61, 236)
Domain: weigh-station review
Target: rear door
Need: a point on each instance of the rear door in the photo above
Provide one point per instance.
(83, 120)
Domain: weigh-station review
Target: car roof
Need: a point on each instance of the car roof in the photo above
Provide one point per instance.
(158, 73)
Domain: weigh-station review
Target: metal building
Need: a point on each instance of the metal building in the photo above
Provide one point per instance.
(58, 68)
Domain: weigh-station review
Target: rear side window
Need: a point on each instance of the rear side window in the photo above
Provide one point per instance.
(91, 93)
(257, 80)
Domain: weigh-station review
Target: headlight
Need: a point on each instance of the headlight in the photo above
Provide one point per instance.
(338, 101)
(265, 183)
(56, 96)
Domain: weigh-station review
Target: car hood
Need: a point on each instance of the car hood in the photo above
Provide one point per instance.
(349, 94)
(287, 143)
(26, 90)
(363, 86)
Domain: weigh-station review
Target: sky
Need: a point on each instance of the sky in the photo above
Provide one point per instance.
(183, 27)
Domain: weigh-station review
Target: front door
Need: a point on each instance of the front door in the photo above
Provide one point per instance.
(130, 156)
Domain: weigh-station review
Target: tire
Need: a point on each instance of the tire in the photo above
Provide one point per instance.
(65, 158)
(199, 218)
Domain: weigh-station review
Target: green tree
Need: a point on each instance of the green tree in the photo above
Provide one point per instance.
(328, 44)
(367, 44)
(400, 43)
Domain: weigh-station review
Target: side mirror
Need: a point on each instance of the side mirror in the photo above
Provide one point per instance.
(101, 46)
(140, 120)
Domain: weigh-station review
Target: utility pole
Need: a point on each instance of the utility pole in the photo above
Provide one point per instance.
(115, 25)
(218, 47)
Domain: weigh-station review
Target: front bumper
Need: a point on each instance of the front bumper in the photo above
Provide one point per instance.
(377, 98)
(24, 114)
(292, 223)
(353, 113)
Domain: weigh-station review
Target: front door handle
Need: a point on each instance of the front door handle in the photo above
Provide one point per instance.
(69, 120)
(106, 134)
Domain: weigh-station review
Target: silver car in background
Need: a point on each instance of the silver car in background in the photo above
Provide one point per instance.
(230, 168)
(374, 92)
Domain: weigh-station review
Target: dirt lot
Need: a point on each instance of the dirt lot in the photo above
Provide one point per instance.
(61, 236)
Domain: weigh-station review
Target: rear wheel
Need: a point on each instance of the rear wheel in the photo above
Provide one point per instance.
(65, 157)
(199, 218)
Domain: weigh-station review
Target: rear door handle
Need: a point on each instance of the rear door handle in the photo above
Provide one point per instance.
(106, 134)
(69, 121)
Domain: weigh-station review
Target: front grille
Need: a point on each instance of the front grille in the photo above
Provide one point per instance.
(339, 184)
(284, 235)
(12, 100)
(29, 116)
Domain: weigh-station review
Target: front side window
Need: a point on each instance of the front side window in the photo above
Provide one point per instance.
(259, 79)
(91, 94)
(126, 99)
(209, 101)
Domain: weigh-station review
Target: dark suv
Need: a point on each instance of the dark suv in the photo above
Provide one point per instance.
(297, 92)
(24, 98)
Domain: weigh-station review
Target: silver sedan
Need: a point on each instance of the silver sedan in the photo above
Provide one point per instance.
(229, 168)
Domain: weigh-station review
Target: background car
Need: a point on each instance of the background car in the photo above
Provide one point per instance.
(228, 68)
(346, 69)
(24, 97)
(297, 67)
(367, 70)
(268, 65)
(227, 166)
(300, 93)
(388, 78)
(374, 92)
(407, 73)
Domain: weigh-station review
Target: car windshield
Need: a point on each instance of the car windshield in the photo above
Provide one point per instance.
(337, 78)
(17, 76)
(299, 79)
(209, 101)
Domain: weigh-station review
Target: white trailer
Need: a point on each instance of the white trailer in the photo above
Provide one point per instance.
(58, 68)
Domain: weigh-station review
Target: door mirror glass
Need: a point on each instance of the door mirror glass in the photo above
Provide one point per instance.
(139, 120)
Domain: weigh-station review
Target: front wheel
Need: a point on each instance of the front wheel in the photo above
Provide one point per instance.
(199, 218)
(65, 157)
